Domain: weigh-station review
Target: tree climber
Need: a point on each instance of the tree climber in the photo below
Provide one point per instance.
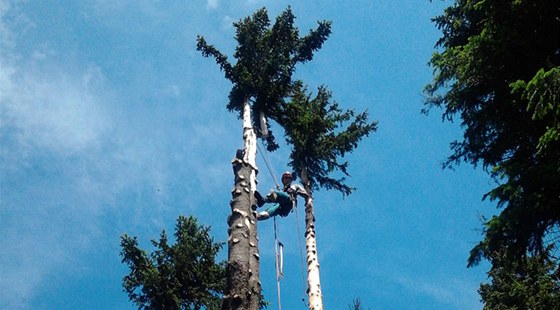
(283, 200)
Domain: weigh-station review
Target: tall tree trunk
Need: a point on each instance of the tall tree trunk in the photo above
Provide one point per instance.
(313, 279)
(243, 291)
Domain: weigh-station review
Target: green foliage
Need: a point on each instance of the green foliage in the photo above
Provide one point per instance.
(184, 275)
(266, 59)
(497, 68)
(525, 283)
(542, 94)
(321, 133)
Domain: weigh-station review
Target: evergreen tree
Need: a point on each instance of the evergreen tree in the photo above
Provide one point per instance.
(321, 134)
(184, 275)
(262, 78)
(497, 69)
(527, 283)
(313, 127)
(266, 60)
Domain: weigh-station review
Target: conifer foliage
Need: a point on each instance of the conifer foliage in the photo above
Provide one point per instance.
(184, 275)
(498, 69)
(525, 283)
(321, 134)
(266, 56)
(318, 130)
(262, 80)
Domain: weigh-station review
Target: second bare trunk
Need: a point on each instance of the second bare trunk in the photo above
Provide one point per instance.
(313, 279)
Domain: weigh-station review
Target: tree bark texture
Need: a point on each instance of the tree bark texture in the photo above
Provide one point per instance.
(243, 290)
(313, 279)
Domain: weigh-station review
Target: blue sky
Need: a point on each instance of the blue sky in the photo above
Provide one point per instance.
(111, 122)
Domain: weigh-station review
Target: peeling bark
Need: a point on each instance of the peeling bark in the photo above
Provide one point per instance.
(243, 291)
(313, 279)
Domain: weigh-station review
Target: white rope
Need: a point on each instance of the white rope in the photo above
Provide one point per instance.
(279, 262)
(268, 165)
(278, 246)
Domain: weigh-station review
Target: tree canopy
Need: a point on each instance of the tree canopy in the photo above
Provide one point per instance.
(526, 283)
(321, 133)
(497, 69)
(266, 59)
(184, 275)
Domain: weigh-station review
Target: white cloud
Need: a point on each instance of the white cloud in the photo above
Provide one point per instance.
(43, 114)
(227, 23)
(212, 4)
(31, 260)
(81, 164)
(44, 103)
(53, 109)
(12, 22)
(48, 109)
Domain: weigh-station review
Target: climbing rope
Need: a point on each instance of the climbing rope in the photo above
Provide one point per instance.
(279, 260)
(268, 165)
(278, 246)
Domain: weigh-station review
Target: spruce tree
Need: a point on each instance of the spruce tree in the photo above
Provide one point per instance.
(262, 78)
(184, 275)
(497, 71)
(320, 134)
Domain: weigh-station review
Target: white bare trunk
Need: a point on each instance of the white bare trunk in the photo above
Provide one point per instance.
(250, 158)
(313, 279)
(243, 291)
